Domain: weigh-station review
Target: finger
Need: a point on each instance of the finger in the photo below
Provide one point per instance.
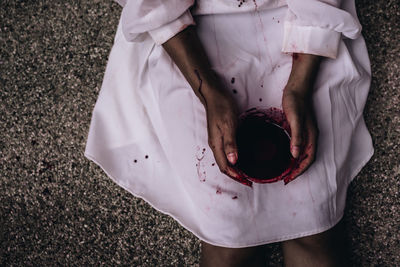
(308, 156)
(219, 154)
(220, 158)
(230, 147)
(296, 127)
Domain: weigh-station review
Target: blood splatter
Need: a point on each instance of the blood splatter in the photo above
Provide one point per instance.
(233, 80)
(234, 197)
(255, 5)
(241, 2)
(201, 173)
(219, 191)
(234, 91)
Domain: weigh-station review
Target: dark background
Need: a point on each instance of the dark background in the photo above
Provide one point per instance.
(58, 208)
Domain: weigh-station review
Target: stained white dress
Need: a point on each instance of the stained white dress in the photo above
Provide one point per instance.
(148, 130)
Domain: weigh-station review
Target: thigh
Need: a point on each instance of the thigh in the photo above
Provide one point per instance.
(232, 257)
(324, 249)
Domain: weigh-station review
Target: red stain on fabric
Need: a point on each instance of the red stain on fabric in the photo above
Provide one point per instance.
(201, 173)
(241, 2)
(219, 191)
(255, 5)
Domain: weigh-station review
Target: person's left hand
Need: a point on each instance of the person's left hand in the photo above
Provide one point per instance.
(304, 132)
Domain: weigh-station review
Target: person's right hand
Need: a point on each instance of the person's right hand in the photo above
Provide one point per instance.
(222, 118)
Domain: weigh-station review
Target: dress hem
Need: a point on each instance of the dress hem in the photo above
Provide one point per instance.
(238, 245)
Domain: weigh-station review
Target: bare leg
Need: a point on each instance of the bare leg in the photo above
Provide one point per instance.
(213, 256)
(324, 249)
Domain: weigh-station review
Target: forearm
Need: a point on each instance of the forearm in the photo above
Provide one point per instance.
(186, 51)
(303, 73)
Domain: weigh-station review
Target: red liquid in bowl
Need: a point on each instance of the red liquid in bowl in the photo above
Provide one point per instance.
(264, 146)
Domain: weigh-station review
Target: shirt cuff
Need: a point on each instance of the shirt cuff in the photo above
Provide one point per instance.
(167, 31)
(310, 40)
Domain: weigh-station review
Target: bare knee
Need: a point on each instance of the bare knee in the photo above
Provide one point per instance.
(231, 257)
(323, 249)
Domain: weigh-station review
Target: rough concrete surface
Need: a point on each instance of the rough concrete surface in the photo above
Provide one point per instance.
(58, 208)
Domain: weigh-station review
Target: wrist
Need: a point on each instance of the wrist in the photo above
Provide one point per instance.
(302, 76)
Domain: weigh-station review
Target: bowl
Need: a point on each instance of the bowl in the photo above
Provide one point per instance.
(263, 141)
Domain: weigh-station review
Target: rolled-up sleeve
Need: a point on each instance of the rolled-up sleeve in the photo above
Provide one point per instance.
(161, 19)
(316, 27)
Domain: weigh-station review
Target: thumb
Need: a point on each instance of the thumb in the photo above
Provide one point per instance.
(296, 128)
(230, 148)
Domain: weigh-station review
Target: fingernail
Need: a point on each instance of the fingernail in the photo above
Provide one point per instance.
(295, 151)
(232, 158)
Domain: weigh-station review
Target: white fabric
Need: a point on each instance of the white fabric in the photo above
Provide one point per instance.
(147, 108)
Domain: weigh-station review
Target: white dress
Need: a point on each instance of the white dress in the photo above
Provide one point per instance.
(148, 130)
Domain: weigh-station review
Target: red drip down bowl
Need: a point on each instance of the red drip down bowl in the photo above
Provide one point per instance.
(263, 141)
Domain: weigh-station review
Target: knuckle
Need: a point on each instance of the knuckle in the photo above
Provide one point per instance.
(230, 145)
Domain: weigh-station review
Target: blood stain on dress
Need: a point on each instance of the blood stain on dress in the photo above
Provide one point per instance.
(241, 2)
(219, 191)
(255, 5)
(233, 80)
(234, 197)
(234, 91)
(199, 165)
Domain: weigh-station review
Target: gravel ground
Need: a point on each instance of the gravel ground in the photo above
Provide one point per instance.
(57, 208)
